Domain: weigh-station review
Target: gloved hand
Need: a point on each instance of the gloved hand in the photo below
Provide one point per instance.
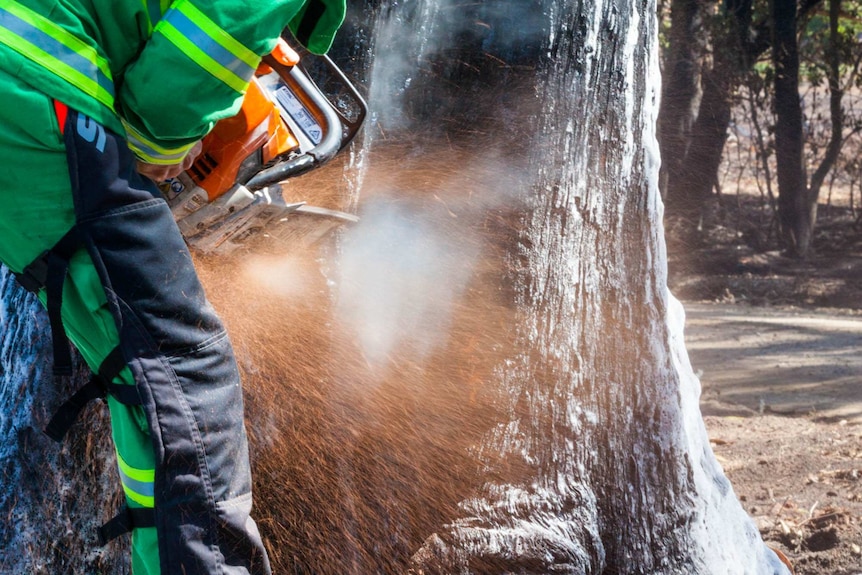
(160, 172)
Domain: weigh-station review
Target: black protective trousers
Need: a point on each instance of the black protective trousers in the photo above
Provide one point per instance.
(180, 357)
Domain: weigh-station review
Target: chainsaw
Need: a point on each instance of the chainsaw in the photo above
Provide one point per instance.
(233, 192)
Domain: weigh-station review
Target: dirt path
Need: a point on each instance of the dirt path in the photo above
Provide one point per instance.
(782, 399)
(785, 361)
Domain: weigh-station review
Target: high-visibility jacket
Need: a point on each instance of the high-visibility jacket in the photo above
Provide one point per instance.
(161, 72)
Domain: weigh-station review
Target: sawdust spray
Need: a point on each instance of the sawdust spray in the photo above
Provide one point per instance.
(366, 364)
(370, 362)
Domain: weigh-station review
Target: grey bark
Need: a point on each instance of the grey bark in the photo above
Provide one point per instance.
(615, 473)
(53, 496)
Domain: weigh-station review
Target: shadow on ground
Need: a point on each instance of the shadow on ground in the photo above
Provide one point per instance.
(785, 361)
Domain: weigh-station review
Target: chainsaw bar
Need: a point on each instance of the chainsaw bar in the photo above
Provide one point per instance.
(223, 227)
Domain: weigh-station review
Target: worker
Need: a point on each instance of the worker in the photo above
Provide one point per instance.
(100, 96)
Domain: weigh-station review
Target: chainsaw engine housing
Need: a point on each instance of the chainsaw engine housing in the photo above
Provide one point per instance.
(285, 127)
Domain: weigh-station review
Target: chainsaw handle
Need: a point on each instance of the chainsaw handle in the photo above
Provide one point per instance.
(352, 126)
(327, 117)
(282, 171)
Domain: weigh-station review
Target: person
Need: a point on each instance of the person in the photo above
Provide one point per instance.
(99, 98)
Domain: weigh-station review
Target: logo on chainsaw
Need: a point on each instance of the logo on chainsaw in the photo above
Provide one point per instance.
(172, 187)
(176, 186)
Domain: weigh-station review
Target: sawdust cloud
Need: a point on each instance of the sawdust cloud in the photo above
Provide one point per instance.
(369, 363)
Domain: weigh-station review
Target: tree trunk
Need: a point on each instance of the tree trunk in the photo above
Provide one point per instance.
(614, 472)
(54, 496)
(680, 88)
(795, 210)
(690, 185)
(836, 110)
(699, 169)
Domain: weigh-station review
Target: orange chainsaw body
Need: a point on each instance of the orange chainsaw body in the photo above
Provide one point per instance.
(257, 126)
(285, 127)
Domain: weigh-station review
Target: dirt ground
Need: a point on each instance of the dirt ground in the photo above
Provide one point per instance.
(777, 345)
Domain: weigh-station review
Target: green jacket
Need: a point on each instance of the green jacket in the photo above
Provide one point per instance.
(162, 71)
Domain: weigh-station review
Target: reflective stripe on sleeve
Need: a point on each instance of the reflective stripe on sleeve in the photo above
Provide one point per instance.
(138, 484)
(56, 49)
(208, 45)
(152, 153)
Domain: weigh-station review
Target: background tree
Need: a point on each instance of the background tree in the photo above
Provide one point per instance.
(693, 174)
(738, 35)
(794, 206)
(798, 196)
(685, 37)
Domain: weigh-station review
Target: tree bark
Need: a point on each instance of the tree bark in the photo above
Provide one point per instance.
(681, 87)
(615, 473)
(795, 210)
(54, 496)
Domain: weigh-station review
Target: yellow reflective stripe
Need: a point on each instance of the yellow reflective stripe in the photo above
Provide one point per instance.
(145, 475)
(218, 34)
(54, 48)
(138, 484)
(203, 59)
(142, 500)
(208, 45)
(151, 152)
(60, 34)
